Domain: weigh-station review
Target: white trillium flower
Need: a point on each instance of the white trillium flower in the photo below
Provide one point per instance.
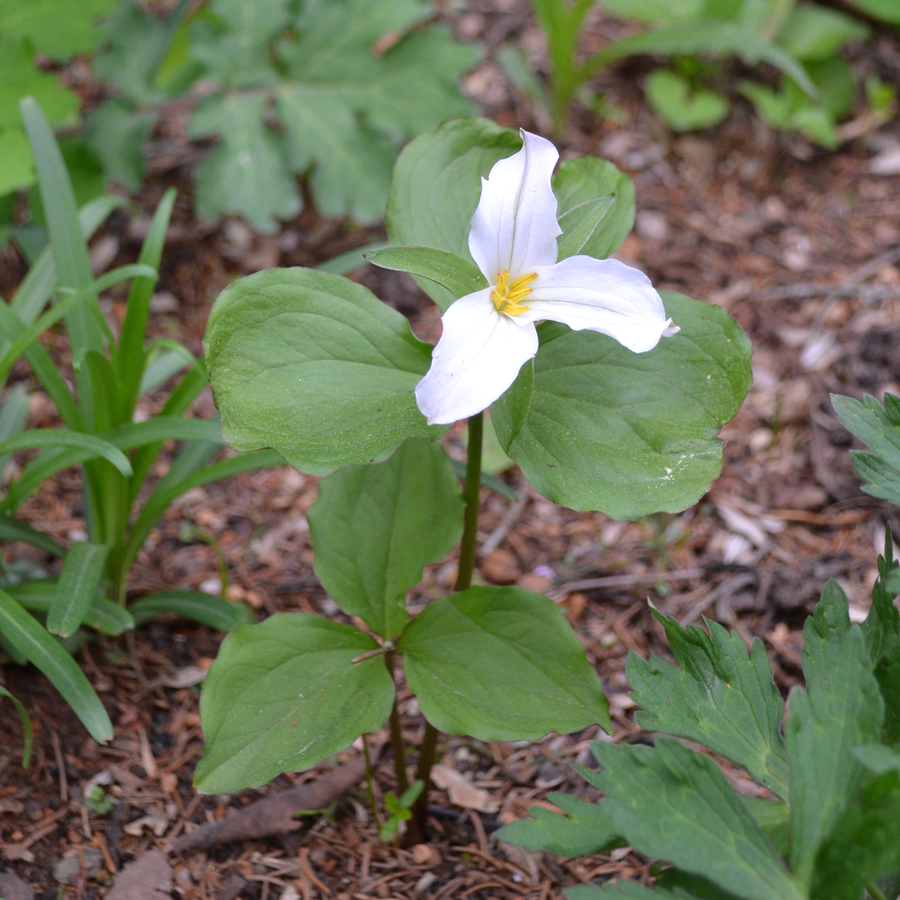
(489, 335)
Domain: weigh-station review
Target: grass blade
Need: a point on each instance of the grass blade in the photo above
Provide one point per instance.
(102, 615)
(31, 639)
(76, 440)
(220, 614)
(12, 529)
(77, 587)
(26, 726)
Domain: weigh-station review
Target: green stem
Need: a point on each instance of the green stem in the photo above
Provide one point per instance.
(874, 891)
(396, 734)
(467, 548)
(370, 789)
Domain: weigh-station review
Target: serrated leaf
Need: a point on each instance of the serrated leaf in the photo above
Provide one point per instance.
(719, 697)
(871, 423)
(841, 709)
(698, 823)
(32, 640)
(56, 28)
(316, 367)
(590, 178)
(20, 78)
(864, 844)
(629, 434)
(240, 56)
(118, 135)
(500, 664)
(283, 695)
(436, 186)
(459, 276)
(374, 528)
(581, 828)
(246, 174)
(823, 633)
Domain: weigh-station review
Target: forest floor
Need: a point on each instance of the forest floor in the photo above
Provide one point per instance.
(800, 245)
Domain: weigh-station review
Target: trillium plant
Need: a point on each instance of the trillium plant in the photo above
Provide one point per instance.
(599, 398)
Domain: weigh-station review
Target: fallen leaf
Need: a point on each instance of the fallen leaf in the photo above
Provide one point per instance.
(462, 792)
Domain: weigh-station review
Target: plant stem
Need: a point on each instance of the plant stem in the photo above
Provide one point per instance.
(396, 735)
(467, 548)
(370, 789)
(874, 892)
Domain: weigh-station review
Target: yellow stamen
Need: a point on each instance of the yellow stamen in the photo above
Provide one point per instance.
(507, 297)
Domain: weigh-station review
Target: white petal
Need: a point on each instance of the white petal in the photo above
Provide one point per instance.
(514, 226)
(601, 295)
(477, 358)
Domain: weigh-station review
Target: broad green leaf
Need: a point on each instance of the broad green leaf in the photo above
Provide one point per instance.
(500, 664)
(345, 263)
(19, 77)
(246, 174)
(102, 615)
(580, 223)
(698, 822)
(12, 529)
(841, 709)
(316, 367)
(581, 828)
(718, 697)
(240, 57)
(56, 28)
(437, 184)
(18, 166)
(27, 738)
(816, 32)
(76, 440)
(865, 843)
(77, 587)
(223, 615)
(774, 818)
(457, 275)
(629, 434)
(682, 107)
(374, 528)
(345, 107)
(31, 639)
(710, 36)
(283, 695)
(587, 178)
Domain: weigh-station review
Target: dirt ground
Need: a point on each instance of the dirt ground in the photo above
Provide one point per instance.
(801, 246)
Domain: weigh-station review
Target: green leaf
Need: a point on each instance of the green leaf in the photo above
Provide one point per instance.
(697, 822)
(886, 10)
(12, 529)
(316, 367)
(118, 136)
(14, 416)
(818, 33)
(374, 528)
(31, 639)
(103, 615)
(621, 890)
(62, 437)
(246, 174)
(18, 166)
(581, 829)
(27, 738)
(240, 56)
(629, 434)
(55, 28)
(585, 179)
(284, 694)
(491, 482)
(718, 697)
(500, 664)
(654, 10)
(841, 709)
(223, 615)
(580, 223)
(774, 818)
(77, 587)
(823, 634)
(865, 843)
(715, 37)
(457, 275)
(437, 184)
(681, 106)
(345, 107)
(19, 77)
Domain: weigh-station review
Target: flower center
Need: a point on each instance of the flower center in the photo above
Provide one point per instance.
(507, 297)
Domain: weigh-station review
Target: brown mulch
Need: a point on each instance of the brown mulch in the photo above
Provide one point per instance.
(799, 245)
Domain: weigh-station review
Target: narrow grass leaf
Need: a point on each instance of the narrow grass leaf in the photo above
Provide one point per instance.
(223, 615)
(77, 587)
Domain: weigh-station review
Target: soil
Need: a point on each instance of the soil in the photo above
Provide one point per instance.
(800, 245)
